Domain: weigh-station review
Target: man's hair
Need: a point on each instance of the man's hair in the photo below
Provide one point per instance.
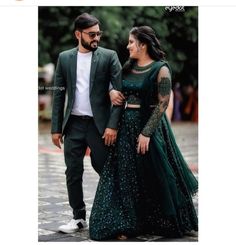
(85, 21)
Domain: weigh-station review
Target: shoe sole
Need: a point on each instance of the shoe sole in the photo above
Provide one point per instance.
(74, 231)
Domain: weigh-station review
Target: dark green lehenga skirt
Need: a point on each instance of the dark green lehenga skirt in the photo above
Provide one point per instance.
(144, 194)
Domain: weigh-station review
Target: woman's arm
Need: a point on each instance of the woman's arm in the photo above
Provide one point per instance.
(164, 90)
(170, 108)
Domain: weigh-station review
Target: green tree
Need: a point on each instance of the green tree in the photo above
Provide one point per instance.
(177, 31)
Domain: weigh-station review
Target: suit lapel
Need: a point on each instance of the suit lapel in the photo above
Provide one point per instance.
(73, 67)
(94, 62)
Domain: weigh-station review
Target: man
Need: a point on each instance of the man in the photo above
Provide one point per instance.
(85, 73)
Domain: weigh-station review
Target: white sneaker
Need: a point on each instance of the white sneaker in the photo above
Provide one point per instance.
(73, 226)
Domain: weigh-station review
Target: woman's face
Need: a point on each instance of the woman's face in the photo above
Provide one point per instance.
(134, 47)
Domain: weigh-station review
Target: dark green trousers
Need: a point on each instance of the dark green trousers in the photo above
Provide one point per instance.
(81, 133)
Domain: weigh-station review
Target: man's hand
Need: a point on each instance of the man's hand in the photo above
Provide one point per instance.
(116, 97)
(109, 136)
(57, 140)
(143, 144)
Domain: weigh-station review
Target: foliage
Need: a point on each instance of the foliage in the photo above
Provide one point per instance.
(177, 31)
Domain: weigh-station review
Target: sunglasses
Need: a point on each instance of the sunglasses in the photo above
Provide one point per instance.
(93, 34)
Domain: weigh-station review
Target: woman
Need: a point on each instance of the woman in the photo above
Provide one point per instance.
(145, 186)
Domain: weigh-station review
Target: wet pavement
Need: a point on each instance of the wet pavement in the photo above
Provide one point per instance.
(53, 206)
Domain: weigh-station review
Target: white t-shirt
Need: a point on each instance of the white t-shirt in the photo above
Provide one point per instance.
(82, 104)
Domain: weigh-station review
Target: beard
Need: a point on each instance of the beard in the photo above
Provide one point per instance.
(92, 46)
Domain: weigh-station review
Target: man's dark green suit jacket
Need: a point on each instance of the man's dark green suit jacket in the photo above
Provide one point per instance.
(105, 68)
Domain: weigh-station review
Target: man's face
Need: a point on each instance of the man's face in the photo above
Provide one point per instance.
(89, 38)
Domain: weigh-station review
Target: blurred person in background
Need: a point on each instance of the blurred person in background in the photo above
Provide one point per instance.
(191, 106)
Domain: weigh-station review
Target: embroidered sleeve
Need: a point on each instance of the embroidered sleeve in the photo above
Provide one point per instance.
(164, 90)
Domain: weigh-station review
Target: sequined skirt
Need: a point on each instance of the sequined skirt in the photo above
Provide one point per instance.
(144, 194)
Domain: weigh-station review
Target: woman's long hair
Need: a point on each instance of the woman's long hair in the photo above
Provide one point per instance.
(146, 35)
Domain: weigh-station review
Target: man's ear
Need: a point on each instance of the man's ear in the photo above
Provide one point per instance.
(77, 34)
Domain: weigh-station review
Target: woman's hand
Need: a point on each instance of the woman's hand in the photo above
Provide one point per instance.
(143, 144)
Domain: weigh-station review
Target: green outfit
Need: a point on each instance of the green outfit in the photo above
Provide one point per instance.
(84, 131)
(105, 68)
(144, 194)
